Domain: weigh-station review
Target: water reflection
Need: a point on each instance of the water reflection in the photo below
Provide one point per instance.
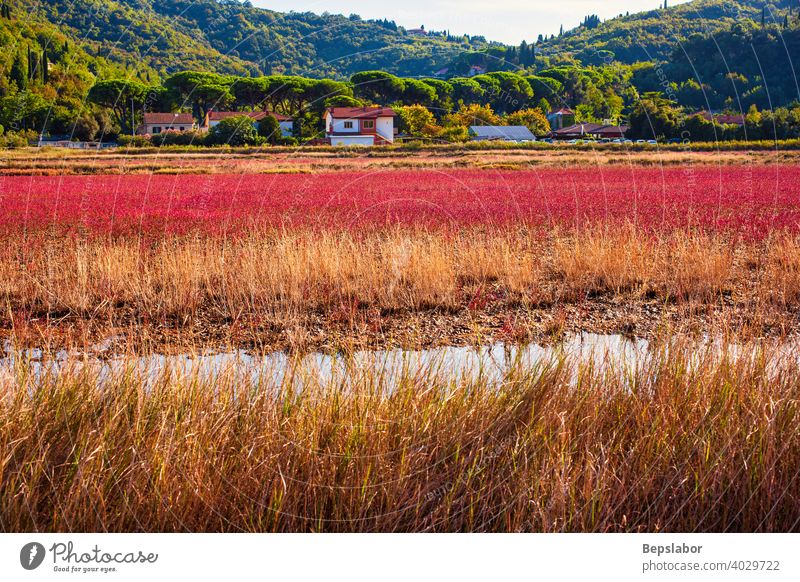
(447, 364)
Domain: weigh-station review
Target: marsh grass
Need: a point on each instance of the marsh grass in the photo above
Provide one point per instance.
(694, 438)
(396, 269)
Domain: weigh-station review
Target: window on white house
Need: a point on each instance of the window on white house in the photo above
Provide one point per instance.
(348, 125)
(157, 129)
(369, 124)
(181, 128)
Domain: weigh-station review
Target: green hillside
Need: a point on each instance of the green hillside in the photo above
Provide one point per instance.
(164, 36)
(657, 34)
(191, 54)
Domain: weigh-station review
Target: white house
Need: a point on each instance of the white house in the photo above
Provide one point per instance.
(154, 123)
(214, 117)
(365, 126)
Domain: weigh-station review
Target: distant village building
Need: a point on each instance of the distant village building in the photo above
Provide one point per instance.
(561, 118)
(476, 70)
(284, 121)
(154, 123)
(722, 118)
(515, 133)
(418, 31)
(590, 130)
(365, 126)
(610, 132)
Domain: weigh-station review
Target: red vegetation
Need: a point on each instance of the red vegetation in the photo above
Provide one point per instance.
(749, 201)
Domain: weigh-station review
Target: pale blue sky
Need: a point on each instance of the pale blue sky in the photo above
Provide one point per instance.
(508, 21)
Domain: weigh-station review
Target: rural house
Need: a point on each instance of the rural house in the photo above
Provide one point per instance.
(365, 126)
(590, 131)
(214, 117)
(610, 132)
(476, 70)
(515, 133)
(723, 118)
(154, 123)
(561, 118)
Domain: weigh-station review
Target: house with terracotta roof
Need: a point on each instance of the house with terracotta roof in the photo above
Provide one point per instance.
(590, 131)
(561, 118)
(214, 117)
(610, 132)
(154, 123)
(723, 118)
(365, 126)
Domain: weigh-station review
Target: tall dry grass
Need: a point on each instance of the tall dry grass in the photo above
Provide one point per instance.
(395, 269)
(692, 440)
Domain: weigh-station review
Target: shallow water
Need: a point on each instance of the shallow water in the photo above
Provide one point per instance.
(489, 363)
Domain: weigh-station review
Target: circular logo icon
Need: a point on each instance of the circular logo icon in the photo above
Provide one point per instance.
(31, 555)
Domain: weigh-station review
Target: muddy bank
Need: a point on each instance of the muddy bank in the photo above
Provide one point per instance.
(369, 329)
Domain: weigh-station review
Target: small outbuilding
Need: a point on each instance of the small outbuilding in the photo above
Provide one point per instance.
(515, 133)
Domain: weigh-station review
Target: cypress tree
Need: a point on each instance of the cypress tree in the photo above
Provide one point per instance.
(19, 73)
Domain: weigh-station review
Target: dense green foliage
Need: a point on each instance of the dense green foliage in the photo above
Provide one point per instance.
(656, 34)
(234, 131)
(97, 71)
(228, 36)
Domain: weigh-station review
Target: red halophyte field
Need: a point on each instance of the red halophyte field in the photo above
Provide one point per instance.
(746, 201)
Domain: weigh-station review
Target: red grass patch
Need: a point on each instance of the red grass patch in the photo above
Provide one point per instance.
(750, 201)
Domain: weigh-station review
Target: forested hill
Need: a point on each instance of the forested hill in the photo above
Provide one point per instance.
(160, 37)
(656, 34)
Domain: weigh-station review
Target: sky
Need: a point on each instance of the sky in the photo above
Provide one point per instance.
(508, 21)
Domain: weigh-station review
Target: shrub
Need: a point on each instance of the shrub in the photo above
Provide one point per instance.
(179, 138)
(136, 141)
(85, 128)
(270, 129)
(235, 131)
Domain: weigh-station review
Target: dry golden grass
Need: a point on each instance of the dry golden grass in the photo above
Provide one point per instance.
(60, 161)
(280, 272)
(692, 440)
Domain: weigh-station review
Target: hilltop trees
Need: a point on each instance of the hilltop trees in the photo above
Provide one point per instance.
(466, 91)
(200, 91)
(124, 98)
(249, 92)
(377, 86)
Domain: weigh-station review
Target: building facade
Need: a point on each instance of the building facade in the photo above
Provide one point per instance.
(155, 123)
(364, 126)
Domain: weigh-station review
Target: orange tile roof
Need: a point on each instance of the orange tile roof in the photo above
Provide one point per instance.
(361, 112)
(168, 118)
